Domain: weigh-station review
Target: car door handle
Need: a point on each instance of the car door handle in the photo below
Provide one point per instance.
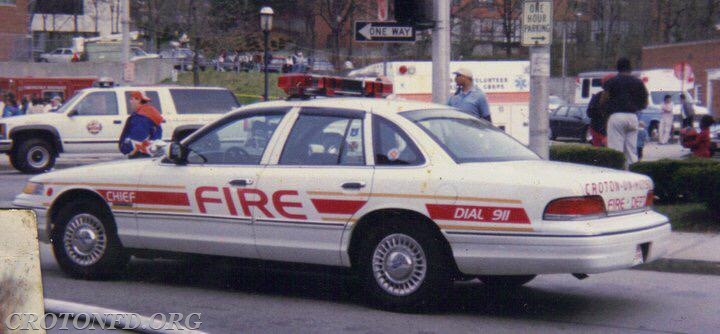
(241, 182)
(353, 185)
(117, 121)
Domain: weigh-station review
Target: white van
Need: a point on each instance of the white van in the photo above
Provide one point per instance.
(505, 83)
(659, 82)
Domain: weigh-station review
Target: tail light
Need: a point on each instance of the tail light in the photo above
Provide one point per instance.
(575, 208)
(649, 199)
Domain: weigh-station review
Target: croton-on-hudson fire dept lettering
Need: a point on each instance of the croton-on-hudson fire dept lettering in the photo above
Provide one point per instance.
(247, 198)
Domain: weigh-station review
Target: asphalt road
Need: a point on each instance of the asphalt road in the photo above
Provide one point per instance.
(245, 297)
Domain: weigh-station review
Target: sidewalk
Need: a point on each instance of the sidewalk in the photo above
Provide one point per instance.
(690, 253)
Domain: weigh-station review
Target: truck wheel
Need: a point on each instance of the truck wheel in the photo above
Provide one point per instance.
(506, 281)
(33, 156)
(403, 267)
(85, 241)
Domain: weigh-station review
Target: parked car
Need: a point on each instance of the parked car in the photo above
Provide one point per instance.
(92, 120)
(651, 117)
(183, 59)
(137, 53)
(570, 122)
(555, 101)
(402, 194)
(322, 66)
(277, 65)
(59, 55)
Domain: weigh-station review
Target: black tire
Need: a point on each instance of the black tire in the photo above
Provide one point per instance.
(85, 241)
(418, 286)
(506, 281)
(33, 156)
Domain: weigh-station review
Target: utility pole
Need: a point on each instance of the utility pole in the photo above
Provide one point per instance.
(125, 23)
(441, 51)
(536, 33)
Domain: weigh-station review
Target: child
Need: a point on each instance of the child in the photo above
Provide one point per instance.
(641, 138)
(700, 145)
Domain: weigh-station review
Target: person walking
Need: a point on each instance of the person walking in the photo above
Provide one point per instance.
(468, 97)
(688, 111)
(598, 116)
(11, 106)
(666, 121)
(626, 96)
(142, 127)
(642, 137)
(55, 104)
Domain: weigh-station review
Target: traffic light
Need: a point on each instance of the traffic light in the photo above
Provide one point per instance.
(418, 13)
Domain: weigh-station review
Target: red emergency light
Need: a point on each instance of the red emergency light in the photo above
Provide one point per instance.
(299, 85)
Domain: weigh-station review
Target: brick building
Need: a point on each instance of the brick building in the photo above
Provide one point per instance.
(703, 56)
(14, 28)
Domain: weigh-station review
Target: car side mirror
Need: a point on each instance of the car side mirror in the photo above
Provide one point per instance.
(72, 113)
(176, 153)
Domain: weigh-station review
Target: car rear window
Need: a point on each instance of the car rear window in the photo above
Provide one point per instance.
(203, 101)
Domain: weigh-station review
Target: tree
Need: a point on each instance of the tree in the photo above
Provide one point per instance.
(509, 11)
(336, 15)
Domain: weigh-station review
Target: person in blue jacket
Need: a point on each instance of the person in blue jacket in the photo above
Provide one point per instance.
(142, 127)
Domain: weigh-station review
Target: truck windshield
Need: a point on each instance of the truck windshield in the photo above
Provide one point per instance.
(468, 139)
(66, 105)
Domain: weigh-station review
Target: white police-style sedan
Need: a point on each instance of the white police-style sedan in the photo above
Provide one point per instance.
(409, 195)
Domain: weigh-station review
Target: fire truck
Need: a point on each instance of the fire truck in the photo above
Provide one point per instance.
(45, 88)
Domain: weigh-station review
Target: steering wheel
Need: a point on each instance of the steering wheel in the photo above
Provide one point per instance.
(236, 154)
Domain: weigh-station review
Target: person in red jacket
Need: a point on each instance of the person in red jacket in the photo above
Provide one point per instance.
(700, 145)
(142, 127)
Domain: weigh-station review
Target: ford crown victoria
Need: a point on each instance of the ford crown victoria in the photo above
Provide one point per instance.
(410, 196)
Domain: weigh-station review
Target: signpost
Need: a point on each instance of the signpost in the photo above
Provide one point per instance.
(536, 33)
(384, 32)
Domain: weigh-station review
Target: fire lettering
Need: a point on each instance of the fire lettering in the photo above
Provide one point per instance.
(202, 200)
(229, 201)
(280, 205)
(260, 202)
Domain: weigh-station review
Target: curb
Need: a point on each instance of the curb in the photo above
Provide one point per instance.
(139, 324)
(681, 266)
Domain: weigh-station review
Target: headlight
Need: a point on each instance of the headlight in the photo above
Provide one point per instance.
(33, 188)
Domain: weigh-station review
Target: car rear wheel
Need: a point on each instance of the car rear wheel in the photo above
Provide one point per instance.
(505, 281)
(403, 267)
(33, 156)
(85, 241)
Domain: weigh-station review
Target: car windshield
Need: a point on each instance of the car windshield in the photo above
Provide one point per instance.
(468, 139)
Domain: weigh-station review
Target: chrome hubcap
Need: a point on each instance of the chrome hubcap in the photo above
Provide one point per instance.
(399, 264)
(38, 157)
(85, 240)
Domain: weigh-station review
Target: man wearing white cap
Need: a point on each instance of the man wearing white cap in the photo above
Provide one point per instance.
(469, 98)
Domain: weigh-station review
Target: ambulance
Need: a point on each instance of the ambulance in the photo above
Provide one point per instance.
(505, 83)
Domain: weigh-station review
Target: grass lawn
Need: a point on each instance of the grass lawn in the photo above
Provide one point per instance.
(248, 87)
(690, 217)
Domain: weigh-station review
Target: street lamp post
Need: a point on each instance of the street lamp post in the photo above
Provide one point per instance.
(266, 18)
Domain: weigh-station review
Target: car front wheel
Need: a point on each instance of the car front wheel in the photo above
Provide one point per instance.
(33, 156)
(403, 268)
(85, 241)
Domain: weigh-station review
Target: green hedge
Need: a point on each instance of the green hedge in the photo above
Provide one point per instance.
(587, 155)
(691, 180)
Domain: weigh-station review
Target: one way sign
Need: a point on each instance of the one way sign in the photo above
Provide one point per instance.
(383, 32)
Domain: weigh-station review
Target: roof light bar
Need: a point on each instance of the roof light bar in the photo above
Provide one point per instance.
(299, 85)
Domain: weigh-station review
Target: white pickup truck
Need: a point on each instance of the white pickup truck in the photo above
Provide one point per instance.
(92, 120)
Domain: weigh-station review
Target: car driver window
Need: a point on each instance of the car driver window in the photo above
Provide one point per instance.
(324, 140)
(98, 104)
(238, 142)
(392, 146)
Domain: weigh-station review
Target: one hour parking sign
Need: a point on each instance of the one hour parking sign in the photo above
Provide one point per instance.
(537, 23)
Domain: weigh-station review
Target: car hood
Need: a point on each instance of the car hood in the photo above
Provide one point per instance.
(543, 181)
(120, 171)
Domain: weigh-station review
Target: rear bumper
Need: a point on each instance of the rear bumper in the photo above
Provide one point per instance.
(487, 254)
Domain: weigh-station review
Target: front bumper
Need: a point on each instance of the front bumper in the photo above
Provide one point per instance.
(526, 254)
(5, 145)
(43, 222)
